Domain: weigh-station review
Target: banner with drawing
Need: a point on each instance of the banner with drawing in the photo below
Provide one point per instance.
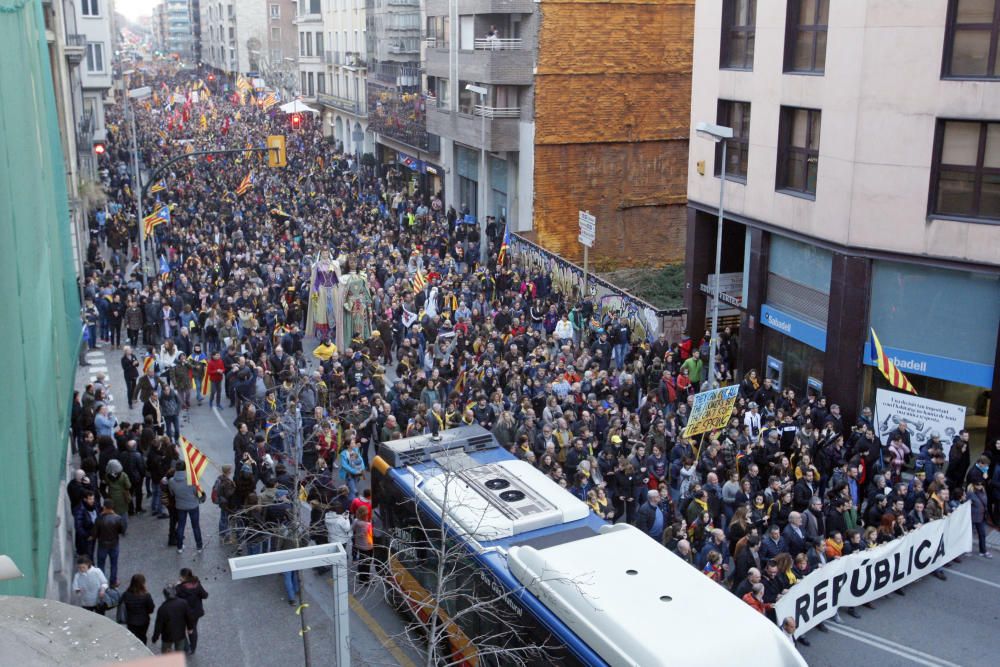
(923, 416)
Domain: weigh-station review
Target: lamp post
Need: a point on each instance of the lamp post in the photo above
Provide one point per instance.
(136, 94)
(481, 186)
(716, 133)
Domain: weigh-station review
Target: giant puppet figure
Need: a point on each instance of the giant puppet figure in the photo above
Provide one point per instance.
(357, 305)
(325, 297)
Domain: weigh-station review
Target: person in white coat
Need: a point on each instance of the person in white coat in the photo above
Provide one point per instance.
(89, 584)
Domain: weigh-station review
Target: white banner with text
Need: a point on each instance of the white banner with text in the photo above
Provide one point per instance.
(868, 575)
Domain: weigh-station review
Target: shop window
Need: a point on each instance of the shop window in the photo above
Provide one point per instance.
(965, 176)
(739, 19)
(971, 40)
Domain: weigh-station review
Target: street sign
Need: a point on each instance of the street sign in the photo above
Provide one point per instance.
(588, 227)
(586, 240)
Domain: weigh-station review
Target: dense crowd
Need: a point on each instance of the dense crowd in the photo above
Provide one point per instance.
(437, 340)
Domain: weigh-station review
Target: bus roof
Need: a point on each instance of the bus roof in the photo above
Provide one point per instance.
(636, 603)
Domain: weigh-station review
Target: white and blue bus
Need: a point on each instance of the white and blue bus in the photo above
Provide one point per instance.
(532, 570)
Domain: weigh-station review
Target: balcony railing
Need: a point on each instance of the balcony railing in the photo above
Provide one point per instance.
(430, 42)
(341, 103)
(498, 112)
(73, 39)
(403, 3)
(401, 49)
(498, 44)
(432, 100)
(85, 132)
(355, 59)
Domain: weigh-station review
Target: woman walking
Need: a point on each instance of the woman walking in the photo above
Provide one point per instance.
(189, 589)
(138, 606)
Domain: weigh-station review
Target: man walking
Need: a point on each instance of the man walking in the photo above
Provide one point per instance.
(173, 622)
(187, 503)
(130, 368)
(108, 529)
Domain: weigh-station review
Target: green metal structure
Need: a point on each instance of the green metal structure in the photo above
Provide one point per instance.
(39, 307)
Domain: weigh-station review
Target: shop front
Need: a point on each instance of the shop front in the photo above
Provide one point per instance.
(417, 174)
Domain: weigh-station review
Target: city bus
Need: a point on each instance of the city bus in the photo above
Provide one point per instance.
(519, 571)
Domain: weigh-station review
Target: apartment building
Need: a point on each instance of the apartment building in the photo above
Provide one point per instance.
(861, 190)
(341, 88)
(92, 19)
(177, 28)
(309, 25)
(396, 106)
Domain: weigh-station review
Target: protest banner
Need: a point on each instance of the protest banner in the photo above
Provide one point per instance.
(866, 576)
(923, 417)
(711, 410)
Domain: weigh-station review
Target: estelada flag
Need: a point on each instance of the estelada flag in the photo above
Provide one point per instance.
(194, 461)
(245, 184)
(206, 384)
(889, 370)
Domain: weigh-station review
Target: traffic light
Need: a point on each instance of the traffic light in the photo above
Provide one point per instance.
(211, 77)
(296, 120)
(276, 150)
(99, 148)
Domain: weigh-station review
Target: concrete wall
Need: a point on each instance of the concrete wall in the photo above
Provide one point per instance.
(880, 95)
(612, 93)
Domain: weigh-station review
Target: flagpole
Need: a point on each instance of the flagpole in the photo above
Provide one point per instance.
(137, 187)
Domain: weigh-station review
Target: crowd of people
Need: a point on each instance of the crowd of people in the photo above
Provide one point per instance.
(436, 340)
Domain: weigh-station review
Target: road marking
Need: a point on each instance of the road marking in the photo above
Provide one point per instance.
(219, 417)
(888, 646)
(969, 576)
(380, 634)
(95, 355)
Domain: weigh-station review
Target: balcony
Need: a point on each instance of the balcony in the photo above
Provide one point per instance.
(75, 48)
(302, 19)
(401, 49)
(355, 60)
(503, 66)
(403, 3)
(85, 133)
(440, 7)
(339, 103)
(501, 127)
(498, 44)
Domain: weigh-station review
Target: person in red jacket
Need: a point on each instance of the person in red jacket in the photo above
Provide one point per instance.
(216, 372)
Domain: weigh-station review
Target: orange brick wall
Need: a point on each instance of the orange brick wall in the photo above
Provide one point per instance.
(612, 109)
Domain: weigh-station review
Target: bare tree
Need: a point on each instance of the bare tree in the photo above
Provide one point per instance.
(455, 597)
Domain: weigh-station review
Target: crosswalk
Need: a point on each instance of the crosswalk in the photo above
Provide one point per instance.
(99, 364)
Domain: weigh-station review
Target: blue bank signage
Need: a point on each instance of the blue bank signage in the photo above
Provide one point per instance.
(793, 327)
(944, 368)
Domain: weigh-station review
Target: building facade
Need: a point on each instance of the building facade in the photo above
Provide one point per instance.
(177, 28)
(341, 88)
(92, 19)
(861, 192)
(252, 38)
(397, 109)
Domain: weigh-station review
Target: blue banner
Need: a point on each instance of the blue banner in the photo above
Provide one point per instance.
(944, 368)
(793, 327)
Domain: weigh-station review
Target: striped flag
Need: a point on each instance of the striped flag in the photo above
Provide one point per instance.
(164, 268)
(157, 217)
(245, 184)
(206, 384)
(503, 247)
(889, 370)
(147, 363)
(269, 101)
(194, 461)
(418, 281)
(159, 186)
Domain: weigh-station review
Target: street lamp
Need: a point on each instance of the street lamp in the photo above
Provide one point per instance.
(716, 133)
(137, 94)
(481, 91)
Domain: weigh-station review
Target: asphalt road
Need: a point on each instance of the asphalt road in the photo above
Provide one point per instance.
(247, 622)
(937, 624)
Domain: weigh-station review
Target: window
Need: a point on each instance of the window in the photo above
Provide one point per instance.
(90, 8)
(319, 44)
(738, 31)
(971, 39)
(320, 82)
(302, 43)
(276, 34)
(95, 57)
(275, 11)
(798, 150)
(311, 82)
(737, 116)
(965, 179)
(309, 43)
(805, 35)
(444, 94)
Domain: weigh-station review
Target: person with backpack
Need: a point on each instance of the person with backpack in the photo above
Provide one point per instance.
(222, 493)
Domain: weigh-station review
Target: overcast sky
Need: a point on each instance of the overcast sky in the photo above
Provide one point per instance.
(135, 8)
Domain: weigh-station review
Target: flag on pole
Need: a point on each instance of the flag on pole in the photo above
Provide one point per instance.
(206, 384)
(159, 186)
(418, 281)
(204, 122)
(502, 255)
(245, 184)
(889, 370)
(164, 268)
(157, 217)
(194, 461)
(269, 101)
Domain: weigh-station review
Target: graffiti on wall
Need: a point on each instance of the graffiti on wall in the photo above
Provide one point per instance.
(644, 320)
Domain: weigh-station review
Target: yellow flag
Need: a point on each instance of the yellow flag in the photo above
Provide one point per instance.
(204, 122)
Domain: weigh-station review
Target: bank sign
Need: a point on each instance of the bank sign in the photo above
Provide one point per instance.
(945, 368)
(793, 327)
